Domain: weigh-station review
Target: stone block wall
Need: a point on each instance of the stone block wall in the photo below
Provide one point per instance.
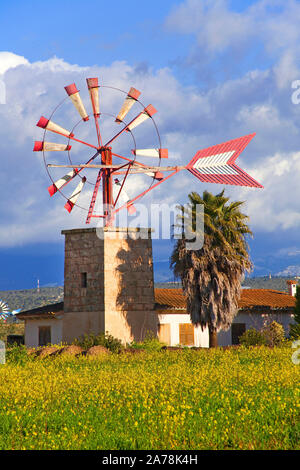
(84, 253)
(119, 292)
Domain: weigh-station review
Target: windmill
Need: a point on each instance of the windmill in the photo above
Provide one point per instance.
(113, 171)
(4, 310)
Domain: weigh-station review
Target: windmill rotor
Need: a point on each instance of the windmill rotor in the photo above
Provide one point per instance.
(103, 152)
(4, 310)
(114, 169)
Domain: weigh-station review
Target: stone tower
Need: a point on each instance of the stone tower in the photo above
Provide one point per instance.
(109, 283)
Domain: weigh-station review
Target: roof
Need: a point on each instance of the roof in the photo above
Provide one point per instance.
(250, 298)
(170, 298)
(173, 300)
(266, 298)
(46, 311)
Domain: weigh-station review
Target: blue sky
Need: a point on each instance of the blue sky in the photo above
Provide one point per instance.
(215, 70)
(85, 35)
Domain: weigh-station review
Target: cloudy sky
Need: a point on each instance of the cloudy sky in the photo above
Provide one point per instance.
(215, 70)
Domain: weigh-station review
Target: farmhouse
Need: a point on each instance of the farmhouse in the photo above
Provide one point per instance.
(257, 307)
(109, 288)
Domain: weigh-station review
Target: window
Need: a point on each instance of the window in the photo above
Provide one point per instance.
(237, 329)
(186, 334)
(83, 280)
(44, 335)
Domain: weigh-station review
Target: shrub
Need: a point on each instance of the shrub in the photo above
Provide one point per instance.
(150, 343)
(111, 343)
(271, 335)
(252, 337)
(17, 354)
(295, 331)
(106, 340)
(274, 334)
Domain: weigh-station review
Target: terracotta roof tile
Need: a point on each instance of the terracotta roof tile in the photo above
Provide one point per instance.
(166, 298)
(265, 298)
(170, 298)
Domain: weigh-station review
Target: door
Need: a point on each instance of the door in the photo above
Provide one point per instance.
(237, 329)
(186, 334)
(164, 333)
(44, 335)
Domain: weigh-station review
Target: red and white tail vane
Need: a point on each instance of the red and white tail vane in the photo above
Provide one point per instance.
(216, 164)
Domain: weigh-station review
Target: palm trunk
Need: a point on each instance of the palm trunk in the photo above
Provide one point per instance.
(213, 338)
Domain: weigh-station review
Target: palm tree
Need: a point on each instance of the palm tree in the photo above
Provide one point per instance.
(211, 276)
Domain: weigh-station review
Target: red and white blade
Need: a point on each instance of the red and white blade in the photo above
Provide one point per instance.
(124, 195)
(157, 175)
(45, 123)
(216, 164)
(143, 116)
(77, 101)
(61, 182)
(93, 88)
(74, 196)
(155, 153)
(129, 101)
(130, 207)
(40, 146)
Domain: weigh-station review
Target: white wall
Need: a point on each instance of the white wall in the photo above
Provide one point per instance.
(201, 337)
(257, 321)
(32, 331)
(251, 320)
(254, 320)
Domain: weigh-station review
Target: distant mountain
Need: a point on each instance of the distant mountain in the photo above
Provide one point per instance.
(168, 285)
(30, 298)
(264, 282)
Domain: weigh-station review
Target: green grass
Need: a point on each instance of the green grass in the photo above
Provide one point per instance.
(208, 399)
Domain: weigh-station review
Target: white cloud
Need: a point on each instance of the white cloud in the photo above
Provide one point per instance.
(288, 251)
(267, 30)
(211, 21)
(217, 26)
(188, 120)
(290, 271)
(9, 60)
(276, 207)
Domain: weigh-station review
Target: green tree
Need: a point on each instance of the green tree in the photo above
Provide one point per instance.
(295, 328)
(297, 306)
(274, 334)
(211, 276)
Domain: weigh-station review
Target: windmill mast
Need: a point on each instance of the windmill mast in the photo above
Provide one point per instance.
(106, 159)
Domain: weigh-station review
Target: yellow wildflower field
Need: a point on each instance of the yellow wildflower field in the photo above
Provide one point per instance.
(208, 399)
